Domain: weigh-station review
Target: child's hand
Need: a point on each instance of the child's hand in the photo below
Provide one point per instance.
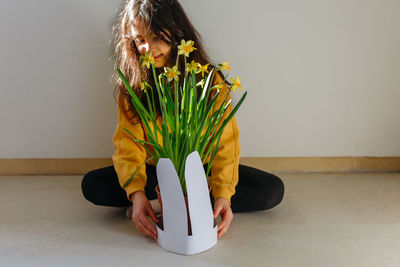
(221, 206)
(140, 209)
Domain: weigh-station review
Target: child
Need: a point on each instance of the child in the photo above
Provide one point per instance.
(158, 26)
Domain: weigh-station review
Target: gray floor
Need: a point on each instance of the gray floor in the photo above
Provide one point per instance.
(324, 220)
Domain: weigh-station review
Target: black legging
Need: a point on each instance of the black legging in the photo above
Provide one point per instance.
(256, 189)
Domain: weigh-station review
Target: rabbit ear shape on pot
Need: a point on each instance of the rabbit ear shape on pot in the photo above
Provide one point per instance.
(200, 208)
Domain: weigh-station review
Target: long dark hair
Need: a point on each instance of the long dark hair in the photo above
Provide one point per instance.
(168, 21)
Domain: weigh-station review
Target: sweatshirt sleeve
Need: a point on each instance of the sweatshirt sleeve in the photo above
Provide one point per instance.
(225, 167)
(128, 155)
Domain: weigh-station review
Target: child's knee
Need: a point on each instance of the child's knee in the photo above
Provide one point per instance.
(88, 186)
(274, 192)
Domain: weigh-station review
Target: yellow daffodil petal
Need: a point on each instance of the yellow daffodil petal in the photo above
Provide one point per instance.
(203, 69)
(225, 66)
(186, 48)
(147, 59)
(144, 85)
(172, 73)
(236, 84)
(192, 66)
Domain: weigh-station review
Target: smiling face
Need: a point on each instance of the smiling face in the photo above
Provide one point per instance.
(146, 41)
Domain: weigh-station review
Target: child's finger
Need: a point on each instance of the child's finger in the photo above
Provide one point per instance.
(151, 213)
(149, 226)
(225, 221)
(145, 231)
(221, 233)
(217, 210)
(222, 230)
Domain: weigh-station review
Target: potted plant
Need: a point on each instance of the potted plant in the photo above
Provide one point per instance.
(191, 123)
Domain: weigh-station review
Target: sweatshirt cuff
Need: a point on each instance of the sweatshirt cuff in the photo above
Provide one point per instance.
(133, 187)
(220, 191)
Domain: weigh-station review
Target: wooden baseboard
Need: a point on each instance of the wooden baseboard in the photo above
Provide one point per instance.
(325, 164)
(281, 164)
(51, 166)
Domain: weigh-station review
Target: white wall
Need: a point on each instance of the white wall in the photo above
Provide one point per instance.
(323, 77)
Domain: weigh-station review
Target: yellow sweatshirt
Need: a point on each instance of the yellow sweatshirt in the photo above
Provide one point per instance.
(128, 155)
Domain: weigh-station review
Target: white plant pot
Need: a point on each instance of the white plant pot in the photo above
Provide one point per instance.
(173, 234)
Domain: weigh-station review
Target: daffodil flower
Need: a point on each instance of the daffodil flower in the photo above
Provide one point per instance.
(144, 85)
(218, 86)
(172, 73)
(236, 84)
(192, 66)
(203, 69)
(225, 66)
(186, 47)
(147, 59)
(201, 83)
